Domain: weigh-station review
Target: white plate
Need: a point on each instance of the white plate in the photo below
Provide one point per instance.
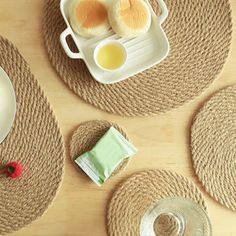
(7, 105)
(143, 52)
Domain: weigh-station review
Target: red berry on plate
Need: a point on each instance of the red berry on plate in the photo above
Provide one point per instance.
(13, 170)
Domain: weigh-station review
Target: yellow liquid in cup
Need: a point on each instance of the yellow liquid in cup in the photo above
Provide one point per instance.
(111, 56)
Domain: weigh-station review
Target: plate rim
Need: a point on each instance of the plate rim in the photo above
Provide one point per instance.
(5, 77)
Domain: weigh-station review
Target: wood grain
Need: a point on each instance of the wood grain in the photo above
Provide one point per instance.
(163, 140)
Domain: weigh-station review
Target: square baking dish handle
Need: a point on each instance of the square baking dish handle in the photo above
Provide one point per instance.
(63, 36)
(164, 11)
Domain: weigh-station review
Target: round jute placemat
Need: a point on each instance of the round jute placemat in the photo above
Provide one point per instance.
(213, 146)
(35, 141)
(141, 191)
(88, 134)
(199, 33)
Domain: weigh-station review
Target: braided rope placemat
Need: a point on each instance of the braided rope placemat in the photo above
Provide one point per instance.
(141, 191)
(35, 141)
(199, 33)
(88, 134)
(213, 144)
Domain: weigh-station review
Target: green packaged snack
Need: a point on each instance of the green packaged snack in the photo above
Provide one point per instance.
(100, 162)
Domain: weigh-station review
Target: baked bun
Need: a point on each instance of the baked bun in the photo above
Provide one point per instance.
(129, 18)
(88, 18)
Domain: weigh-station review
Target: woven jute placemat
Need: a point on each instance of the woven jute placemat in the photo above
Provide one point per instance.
(35, 141)
(141, 191)
(199, 33)
(213, 146)
(88, 134)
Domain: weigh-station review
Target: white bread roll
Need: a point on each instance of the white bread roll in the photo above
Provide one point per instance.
(88, 18)
(129, 18)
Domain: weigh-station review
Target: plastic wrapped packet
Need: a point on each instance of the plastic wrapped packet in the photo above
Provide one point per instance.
(108, 153)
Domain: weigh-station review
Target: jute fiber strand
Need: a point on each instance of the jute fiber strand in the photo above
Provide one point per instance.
(88, 134)
(199, 32)
(213, 146)
(35, 141)
(141, 191)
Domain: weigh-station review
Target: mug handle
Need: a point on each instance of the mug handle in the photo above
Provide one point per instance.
(66, 47)
(164, 11)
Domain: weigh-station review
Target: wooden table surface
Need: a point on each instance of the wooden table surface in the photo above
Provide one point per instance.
(163, 141)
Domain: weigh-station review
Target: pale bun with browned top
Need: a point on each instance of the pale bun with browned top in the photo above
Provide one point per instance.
(88, 18)
(129, 18)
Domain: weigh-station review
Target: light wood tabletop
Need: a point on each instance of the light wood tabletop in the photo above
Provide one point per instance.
(163, 141)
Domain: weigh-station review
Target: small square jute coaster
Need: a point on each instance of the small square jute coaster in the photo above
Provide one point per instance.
(88, 134)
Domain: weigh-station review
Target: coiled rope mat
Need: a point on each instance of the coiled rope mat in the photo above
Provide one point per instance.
(213, 144)
(138, 193)
(199, 33)
(88, 134)
(35, 141)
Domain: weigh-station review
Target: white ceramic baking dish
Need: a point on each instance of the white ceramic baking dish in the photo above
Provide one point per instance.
(143, 52)
(7, 105)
